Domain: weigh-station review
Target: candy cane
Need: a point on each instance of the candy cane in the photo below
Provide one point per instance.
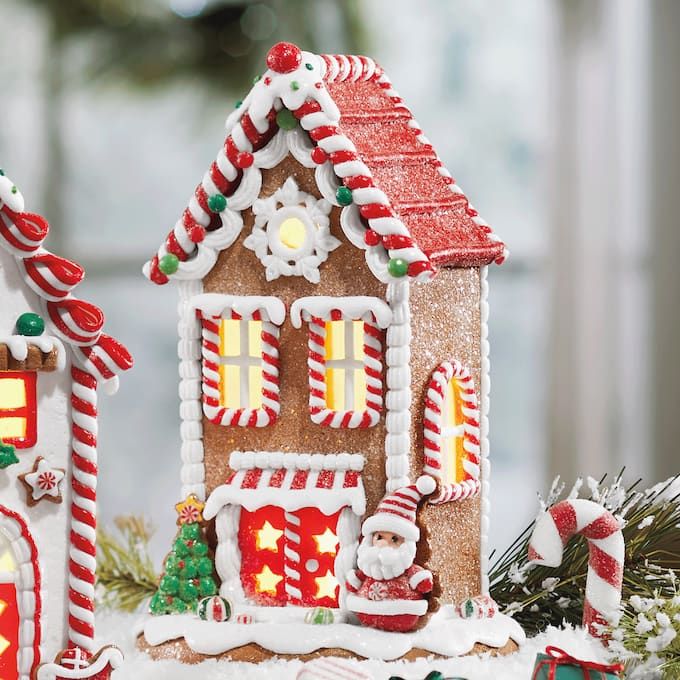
(606, 553)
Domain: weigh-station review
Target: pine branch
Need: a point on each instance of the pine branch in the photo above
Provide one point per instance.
(125, 573)
(539, 596)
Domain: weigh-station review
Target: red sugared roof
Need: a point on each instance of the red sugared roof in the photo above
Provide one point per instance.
(411, 209)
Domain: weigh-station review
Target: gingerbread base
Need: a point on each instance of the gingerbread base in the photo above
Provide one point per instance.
(180, 651)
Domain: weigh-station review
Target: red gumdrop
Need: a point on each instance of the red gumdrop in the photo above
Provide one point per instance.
(319, 156)
(371, 238)
(284, 57)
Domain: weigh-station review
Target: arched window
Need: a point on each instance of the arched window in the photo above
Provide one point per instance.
(451, 432)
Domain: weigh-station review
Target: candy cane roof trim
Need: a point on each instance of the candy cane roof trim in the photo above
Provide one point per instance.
(351, 111)
(77, 322)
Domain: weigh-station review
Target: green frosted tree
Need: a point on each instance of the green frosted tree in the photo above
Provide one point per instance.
(188, 571)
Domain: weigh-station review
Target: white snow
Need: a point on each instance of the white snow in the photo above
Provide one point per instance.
(118, 628)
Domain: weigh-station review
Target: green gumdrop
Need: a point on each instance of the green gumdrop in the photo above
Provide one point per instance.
(434, 675)
(190, 532)
(169, 584)
(188, 591)
(286, 120)
(343, 195)
(207, 586)
(181, 548)
(190, 568)
(30, 324)
(200, 549)
(205, 566)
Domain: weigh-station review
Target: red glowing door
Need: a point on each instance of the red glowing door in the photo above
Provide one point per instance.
(9, 631)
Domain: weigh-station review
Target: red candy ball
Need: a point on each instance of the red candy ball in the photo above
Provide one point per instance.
(244, 160)
(196, 234)
(284, 57)
(371, 238)
(319, 156)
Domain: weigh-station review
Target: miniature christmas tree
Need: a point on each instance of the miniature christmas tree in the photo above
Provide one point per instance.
(189, 571)
(8, 455)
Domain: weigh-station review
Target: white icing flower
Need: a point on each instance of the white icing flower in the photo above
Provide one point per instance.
(659, 642)
(644, 625)
(563, 602)
(549, 584)
(291, 235)
(647, 521)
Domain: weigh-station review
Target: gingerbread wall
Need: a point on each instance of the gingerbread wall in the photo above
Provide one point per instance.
(239, 272)
(446, 324)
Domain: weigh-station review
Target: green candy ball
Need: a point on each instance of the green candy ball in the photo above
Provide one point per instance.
(190, 569)
(182, 549)
(286, 120)
(207, 586)
(178, 606)
(170, 585)
(217, 203)
(168, 264)
(200, 550)
(434, 675)
(343, 196)
(188, 591)
(172, 566)
(190, 532)
(156, 606)
(397, 267)
(205, 567)
(30, 324)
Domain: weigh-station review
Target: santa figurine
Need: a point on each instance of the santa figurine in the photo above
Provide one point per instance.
(388, 591)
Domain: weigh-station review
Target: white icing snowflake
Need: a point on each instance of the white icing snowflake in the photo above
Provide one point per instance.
(291, 235)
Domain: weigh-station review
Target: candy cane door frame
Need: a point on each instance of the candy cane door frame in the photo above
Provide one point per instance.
(19, 565)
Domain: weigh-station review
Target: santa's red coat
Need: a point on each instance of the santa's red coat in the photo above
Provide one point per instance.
(394, 604)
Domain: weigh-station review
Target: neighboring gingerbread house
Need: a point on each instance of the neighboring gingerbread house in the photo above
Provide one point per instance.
(322, 361)
(53, 356)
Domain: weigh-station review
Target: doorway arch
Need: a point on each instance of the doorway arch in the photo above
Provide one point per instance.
(19, 566)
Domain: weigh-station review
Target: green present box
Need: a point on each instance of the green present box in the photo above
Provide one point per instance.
(556, 664)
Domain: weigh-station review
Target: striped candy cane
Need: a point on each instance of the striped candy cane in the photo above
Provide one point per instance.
(607, 551)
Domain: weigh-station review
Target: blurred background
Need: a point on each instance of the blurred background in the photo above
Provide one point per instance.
(558, 118)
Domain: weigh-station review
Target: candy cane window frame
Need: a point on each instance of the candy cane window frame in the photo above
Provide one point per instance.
(319, 312)
(453, 380)
(25, 411)
(214, 310)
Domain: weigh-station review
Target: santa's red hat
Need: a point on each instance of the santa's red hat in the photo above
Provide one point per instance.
(396, 513)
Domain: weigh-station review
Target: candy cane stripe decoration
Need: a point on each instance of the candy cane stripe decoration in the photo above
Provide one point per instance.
(606, 553)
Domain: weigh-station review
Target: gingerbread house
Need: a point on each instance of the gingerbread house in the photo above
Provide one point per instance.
(333, 347)
(53, 356)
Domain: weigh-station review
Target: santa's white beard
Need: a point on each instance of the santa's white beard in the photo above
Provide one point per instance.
(385, 563)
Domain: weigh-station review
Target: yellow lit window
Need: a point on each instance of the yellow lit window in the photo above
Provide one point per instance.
(18, 408)
(241, 364)
(452, 435)
(345, 374)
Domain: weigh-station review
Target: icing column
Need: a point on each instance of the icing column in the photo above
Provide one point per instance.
(398, 398)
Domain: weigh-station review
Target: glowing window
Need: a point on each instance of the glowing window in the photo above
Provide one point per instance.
(240, 364)
(453, 434)
(345, 372)
(18, 408)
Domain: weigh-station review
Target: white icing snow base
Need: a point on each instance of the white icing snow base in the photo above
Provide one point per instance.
(121, 628)
(448, 637)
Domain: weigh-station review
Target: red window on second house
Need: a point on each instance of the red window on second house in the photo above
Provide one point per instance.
(289, 557)
(9, 630)
(18, 408)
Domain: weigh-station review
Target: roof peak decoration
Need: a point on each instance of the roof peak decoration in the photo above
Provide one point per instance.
(400, 204)
(77, 322)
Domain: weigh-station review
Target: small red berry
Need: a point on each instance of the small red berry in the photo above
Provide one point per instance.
(371, 238)
(196, 234)
(267, 81)
(319, 156)
(244, 160)
(284, 57)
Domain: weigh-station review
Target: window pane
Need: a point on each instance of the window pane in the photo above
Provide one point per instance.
(255, 338)
(230, 338)
(230, 386)
(335, 389)
(335, 340)
(255, 387)
(12, 393)
(358, 330)
(12, 428)
(359, 390)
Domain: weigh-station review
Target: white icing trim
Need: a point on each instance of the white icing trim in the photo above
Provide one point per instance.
(419, 576)
(216, 304)
(18, 346)
(362, 605)
(240, 491)
(442, 635)
(398, 398)
(10, 195)
(349, 528)
(228, 553)
(352, 308)
(190, 391)
(485, 389)
(25, 592)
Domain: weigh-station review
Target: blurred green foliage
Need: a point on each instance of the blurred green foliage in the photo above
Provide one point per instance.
(221, 42)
